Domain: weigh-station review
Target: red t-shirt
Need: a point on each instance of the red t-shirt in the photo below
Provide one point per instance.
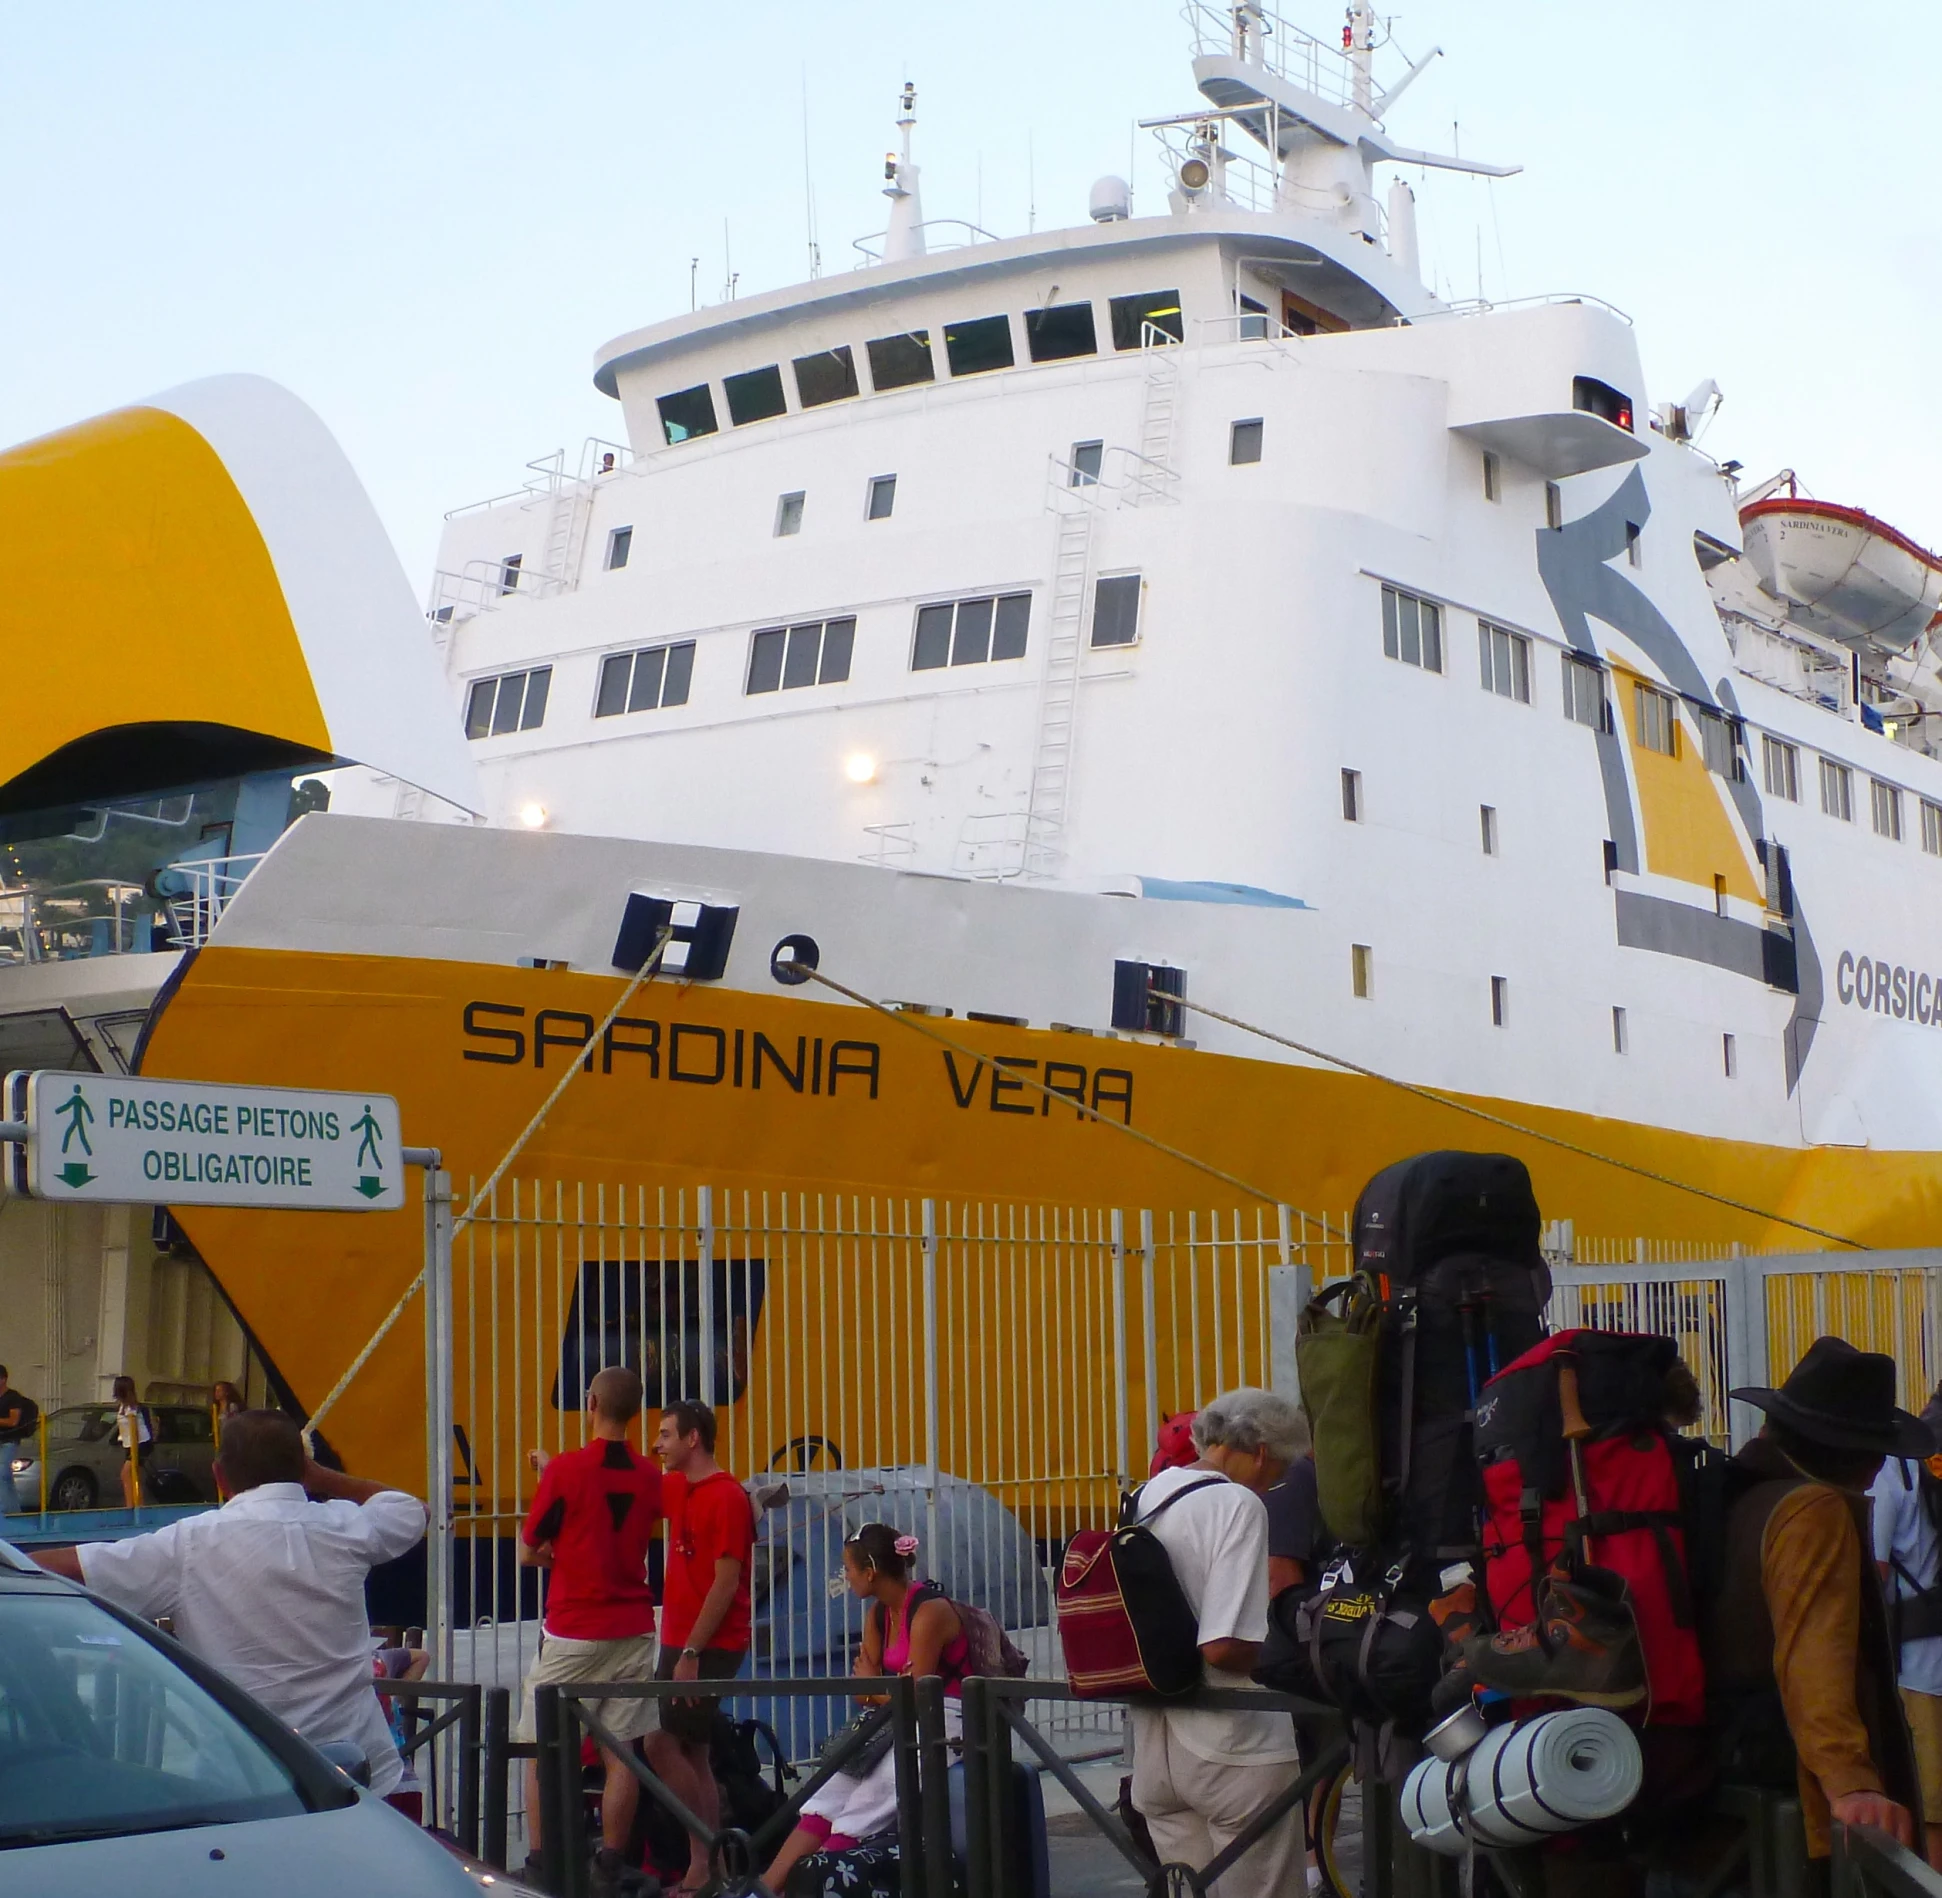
(705, 1523)
(598, 1507)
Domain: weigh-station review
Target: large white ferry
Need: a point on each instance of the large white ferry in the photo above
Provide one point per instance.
(1065, 633)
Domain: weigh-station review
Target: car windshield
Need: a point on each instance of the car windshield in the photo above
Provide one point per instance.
(102, 1736)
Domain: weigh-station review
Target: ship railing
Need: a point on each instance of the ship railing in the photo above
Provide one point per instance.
(197, 891)
(871, 246)
(1122, 472)
(1488, 306)
(549, 473)
(66, 922)
(480, 585)
(1246, 326)
(1263, 37)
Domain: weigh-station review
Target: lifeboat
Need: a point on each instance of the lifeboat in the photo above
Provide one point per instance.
(1842, 573)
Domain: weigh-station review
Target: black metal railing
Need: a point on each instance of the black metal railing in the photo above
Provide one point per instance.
(1869, 1864)
(464, 1781)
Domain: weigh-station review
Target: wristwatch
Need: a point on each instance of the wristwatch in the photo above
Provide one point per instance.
(691, 1654)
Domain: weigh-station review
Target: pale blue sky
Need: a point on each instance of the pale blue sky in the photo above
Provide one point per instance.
(422, 216)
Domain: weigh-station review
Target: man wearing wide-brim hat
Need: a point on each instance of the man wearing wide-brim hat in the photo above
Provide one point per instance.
(1801, 1651)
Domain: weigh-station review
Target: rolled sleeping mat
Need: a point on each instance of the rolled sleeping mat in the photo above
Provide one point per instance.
(1538, 1777)
(1432, 1806)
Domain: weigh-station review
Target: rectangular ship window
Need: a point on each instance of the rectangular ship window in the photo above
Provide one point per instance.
(1780, 764)
(1620, 1039)
(788, 514)
(896, 362)
(1116, 610)
(978, 346)
(1656, 720)
(1729, 1051)
(646, 680)
(1505, 658)
(1719, 742)
(1488, 816)
(1158, 310)
(620, 543)
(1361, 971)
(1352, 796)
(1584, 694)
(509, 702)
(1412, 629)
(509, 572)
(755, 395)
(1061, 331)
(971, 632)
(827, 376)
(687, 413)
(786, 658)
(883, 498)
(1244, 443)
(1493, 479)
(1885, 806)
(1592, 397)
(1499, 1001)
(1837, 790)
(1086, 459)
(1932, 828)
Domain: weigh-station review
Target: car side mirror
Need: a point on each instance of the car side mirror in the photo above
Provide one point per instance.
(348, 1759)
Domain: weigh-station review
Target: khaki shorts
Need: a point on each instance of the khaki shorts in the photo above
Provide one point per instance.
(1924, 1713)
(565, 1663)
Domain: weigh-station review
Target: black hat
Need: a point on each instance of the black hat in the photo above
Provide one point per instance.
(1845, 1399)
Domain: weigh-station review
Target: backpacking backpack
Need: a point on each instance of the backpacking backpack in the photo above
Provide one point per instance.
(1125, 1622)
(1648, 1516)
(1449, 1285)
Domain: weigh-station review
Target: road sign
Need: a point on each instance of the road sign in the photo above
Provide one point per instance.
(199, 1143)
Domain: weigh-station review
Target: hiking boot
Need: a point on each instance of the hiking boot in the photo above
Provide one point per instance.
(1583, 1648)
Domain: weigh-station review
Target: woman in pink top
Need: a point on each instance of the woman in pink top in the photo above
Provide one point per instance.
(877, 1563)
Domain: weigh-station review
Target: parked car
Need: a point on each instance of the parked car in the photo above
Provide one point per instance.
(84, 1458)
(131, 1765)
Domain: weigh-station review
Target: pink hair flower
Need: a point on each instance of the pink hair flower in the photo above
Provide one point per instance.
(906, 1545)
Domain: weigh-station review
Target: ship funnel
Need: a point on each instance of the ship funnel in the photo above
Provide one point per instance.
(1402, 226)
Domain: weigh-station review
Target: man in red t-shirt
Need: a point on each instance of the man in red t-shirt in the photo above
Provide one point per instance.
(592, 1519)
(705, 1619)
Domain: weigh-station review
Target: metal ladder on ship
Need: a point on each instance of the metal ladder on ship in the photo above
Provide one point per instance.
(1151, 480)
(1076, 508)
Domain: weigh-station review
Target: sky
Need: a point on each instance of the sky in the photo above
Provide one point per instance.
(423, 216)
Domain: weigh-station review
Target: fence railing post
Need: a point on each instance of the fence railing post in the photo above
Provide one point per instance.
(980, 1879)
(493, 1762)
(935, 1788)
(438, 1418)
(471, 1769)
(1122, 1451)
(930, 1378)
(1746, 1343)
(911, 1838)
(559, 1819)
(705, 1256)
(1150, 1334)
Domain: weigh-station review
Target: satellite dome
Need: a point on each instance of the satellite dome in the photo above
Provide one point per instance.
(1112, 199)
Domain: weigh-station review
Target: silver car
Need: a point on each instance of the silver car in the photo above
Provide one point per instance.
(131, 1766)
(84, 1458)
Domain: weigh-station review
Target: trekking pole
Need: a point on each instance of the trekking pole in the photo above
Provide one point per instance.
(1576, 1431)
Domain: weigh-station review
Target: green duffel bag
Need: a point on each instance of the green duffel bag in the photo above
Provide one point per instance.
(1337, 1354)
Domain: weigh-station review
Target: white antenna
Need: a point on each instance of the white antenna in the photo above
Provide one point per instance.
(1031, 183)
(809, 187)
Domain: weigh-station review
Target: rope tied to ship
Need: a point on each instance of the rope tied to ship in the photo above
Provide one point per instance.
(1459, 1106)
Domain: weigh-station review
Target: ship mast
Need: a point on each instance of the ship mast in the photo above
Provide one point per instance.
(1358, 41)
(905, 237)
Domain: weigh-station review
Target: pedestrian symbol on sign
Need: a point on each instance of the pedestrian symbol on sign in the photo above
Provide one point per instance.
(367, 1130)
(78, 1113)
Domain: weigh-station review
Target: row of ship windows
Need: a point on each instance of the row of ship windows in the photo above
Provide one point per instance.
(1059, 332)
(1412, 632)
(984, 629)
(1362, 984)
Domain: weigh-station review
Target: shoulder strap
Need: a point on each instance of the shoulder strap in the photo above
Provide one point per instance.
(1166, 1502)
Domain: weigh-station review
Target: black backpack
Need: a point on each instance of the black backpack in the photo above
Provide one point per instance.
(1447, 1253)
(29, 1419)
(750, 1796)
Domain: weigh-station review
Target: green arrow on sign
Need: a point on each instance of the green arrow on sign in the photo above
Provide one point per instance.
(369, 1186)
(75, 1174)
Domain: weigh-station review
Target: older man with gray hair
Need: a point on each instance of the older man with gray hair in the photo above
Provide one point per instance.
(1200, 1777)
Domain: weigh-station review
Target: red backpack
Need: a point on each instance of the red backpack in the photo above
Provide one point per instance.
(1639, 1477)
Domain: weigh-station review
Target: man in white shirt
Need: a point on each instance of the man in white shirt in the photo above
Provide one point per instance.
(1906, 1549)
(1199, 1776)
(270, 1587)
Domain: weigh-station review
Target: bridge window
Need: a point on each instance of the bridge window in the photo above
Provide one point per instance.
(687, 413)
(1060, 331)
(827, 376)
(1412, 629)
(645, 681)
(970, 632)
(980, 345)
(1132, 315)
(783, 658)
(508, 702)
(755, 395)
(1602, 400)
(898, 361)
